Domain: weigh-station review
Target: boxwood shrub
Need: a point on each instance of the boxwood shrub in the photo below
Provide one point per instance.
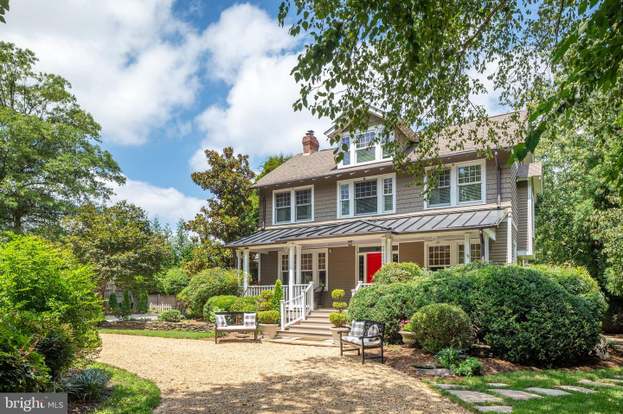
(204, 285)
(399, 272)
(441, 325)
(526, 315)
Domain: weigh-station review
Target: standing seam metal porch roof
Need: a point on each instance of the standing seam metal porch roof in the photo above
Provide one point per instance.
(475, 219)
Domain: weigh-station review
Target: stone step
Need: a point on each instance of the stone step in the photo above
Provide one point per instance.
(313, 325)
(318, 319)
(322, 311)
(304, 334)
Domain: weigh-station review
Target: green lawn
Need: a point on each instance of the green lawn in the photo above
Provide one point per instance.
(161, 334)
(605, 400)
(131, 394)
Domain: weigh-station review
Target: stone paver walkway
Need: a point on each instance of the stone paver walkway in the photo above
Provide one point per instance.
(244, 377)
(487, 403)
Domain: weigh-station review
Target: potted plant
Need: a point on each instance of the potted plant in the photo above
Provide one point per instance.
(338, 319)
(268, 322)
(406, 332)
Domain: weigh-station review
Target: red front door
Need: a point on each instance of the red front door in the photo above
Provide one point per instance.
(373, 263)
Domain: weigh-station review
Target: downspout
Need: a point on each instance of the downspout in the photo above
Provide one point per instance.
(498, 172)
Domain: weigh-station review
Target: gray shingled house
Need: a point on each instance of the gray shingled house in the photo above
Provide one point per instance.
(327, 224)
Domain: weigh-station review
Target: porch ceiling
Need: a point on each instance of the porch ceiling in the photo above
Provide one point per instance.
(434, 222)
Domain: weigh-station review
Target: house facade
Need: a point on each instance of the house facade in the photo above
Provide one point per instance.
(332, 225)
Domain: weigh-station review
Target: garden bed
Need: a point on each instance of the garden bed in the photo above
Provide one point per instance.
(177, 334)
(186, 325)
(128, 394)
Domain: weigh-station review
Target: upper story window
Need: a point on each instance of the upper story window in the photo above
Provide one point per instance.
(459, 184)
(363, 148)
(293, 205)
(367, 196)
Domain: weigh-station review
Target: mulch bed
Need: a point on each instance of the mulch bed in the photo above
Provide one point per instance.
(77, 407)
(408, 360)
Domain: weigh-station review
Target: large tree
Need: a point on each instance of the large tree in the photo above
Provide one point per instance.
(50, 155)
(118, 242)
(420, 62)
(231, 212)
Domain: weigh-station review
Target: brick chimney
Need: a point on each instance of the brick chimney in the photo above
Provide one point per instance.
(310, 143)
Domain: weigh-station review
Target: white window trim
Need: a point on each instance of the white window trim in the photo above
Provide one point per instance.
(454, 249)
(379, 196)
(352, 149)
(315, 270)
(292, 192)
(454, 185)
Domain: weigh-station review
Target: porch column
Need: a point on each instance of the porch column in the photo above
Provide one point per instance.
(387, 249)
(487, 248)
(509, 238)
(238, 261)
(291, 253)
(299, 250)
(245, 270)
(467, 249)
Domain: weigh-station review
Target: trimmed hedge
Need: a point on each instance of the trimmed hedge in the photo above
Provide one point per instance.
(399, 273)
(441, 325)
(206, 284)
(524, 314)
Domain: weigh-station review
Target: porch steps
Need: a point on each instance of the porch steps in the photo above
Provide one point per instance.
(315, 328)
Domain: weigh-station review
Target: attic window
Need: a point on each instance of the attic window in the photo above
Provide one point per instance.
(365, 148)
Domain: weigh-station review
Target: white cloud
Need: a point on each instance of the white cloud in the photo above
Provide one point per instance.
(257, 119)
(167, 204)
(490, 100)
(131, 63)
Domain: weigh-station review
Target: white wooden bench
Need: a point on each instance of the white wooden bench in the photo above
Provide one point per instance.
(235, 322)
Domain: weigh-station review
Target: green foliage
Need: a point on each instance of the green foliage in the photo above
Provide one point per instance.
(469, 367)
(277, 294)
(143, 302)
(113, 304)
(449, 357)
(87, 385)
(338, 319)
(170, 315)
(268, 317)
(407, 327)
(4, 7)
(337, 294)
(265, 301)
(49, 146)
(271, 163)
(244, 304)
(125, 308)
(220, 303)
(574, 279)
(130, 395)
(118, 242)
(399, 272)
(389, 304)
(611, 233)
(441, 325)
(22, 369)
(208, 283)
(172, 281)
(528, 318)
(230, 213)
(210, 253)
(56, 346)
(50, 297)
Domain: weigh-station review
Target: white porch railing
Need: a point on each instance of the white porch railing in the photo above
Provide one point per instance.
(296, 307)
(257, 289)
(358, 286)
(297, 289)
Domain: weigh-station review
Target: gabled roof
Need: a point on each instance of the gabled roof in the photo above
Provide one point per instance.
(436, 222)
(322, 163)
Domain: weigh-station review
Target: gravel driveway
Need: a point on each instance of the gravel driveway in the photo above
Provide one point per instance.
(242, 377)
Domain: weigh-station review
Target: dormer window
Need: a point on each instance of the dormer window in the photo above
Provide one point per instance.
(365, 148)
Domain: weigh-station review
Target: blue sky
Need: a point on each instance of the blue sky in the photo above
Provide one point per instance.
(167, 79)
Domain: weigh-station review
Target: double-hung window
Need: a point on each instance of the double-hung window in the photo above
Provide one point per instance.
(458, 184)
(368, 196)
(293, 205)
(366, 147)
(439, 256)
(474, 252)
(469, 183)
(440, 195)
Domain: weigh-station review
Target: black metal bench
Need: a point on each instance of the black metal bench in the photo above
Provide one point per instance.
(235, 322)
(370, 336)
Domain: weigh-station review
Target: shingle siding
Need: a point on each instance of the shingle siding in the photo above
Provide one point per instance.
(409, 197)
(497, 248)
(522, 215)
